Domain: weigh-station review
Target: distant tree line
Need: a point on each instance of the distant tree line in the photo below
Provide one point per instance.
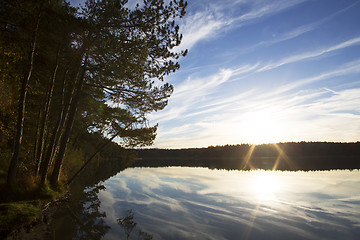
(281, 156)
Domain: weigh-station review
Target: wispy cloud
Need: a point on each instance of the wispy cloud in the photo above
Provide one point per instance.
(198, 95)
(345, 69)
(289, 107)
(199, 26)
(309, 116)
(194, 93)
(214, 20)
(204, 84)
(298, 31)
(309, 55)
(260, 9)
(186, 93)
(237, 102)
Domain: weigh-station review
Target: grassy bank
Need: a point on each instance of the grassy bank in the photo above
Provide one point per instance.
(22, 207)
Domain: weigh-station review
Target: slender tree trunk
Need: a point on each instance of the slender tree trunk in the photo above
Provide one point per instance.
(21, 108)
(37, 131)
(90, 158)
(44, 120)
(68, 127)
(62, 117)
(44, 167)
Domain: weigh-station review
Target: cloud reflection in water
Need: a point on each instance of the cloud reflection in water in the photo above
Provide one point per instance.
(198, 203)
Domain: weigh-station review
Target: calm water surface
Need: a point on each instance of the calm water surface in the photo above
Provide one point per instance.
(199, 203)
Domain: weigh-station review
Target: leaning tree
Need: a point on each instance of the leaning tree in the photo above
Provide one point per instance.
(122, 56)
(103, 67)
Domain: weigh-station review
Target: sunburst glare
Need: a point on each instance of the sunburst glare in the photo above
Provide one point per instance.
(266, 184)
(263, 126)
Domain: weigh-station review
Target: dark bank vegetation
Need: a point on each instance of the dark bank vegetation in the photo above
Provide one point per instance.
(281, 156)
(73, 78)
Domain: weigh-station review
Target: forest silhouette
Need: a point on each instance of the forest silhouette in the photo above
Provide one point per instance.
(281, 156)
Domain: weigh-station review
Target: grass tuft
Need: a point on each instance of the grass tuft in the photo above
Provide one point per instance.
(17, 214)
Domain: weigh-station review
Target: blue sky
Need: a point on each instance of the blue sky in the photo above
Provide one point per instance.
(261, 71)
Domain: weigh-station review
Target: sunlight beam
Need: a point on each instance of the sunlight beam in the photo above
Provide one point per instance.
(248, 158)
(283, 155)
(276, 164)
(252, 221)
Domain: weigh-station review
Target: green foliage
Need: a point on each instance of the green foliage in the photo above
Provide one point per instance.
(47, 193)
(10, 57)
(98, 69)
(17, 214)
(129, 50)
(74, 159)
(22, 206)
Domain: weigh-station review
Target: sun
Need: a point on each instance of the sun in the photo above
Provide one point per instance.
(262, 127)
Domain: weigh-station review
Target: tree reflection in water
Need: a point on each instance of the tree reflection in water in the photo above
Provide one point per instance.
(92, 219)
(128, 224)
(81, 217)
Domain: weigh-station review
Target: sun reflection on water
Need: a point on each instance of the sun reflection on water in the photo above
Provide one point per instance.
(254, 204)
(266, 184)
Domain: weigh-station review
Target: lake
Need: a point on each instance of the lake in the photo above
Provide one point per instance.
(199, 203)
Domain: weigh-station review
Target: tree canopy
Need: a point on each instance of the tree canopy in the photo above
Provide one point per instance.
(95, 69)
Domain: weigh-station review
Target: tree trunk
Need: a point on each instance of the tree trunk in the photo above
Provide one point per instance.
(90, 158)
(44, 167)
(68, 127)
(21, 108)
(37, 131)
(43, 127)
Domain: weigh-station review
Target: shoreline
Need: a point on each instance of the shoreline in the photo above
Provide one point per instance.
(42, 227)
